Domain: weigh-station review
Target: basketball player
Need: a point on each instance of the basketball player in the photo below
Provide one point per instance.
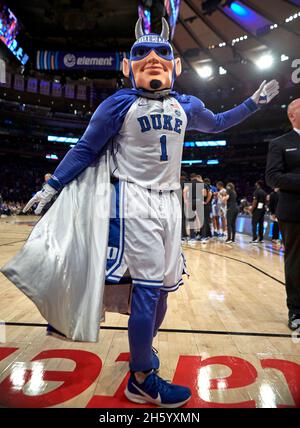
(222, 206)
(145, 127)
(215, 211)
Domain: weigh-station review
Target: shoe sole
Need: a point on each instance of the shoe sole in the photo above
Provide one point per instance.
(138, 400)
(294, 328)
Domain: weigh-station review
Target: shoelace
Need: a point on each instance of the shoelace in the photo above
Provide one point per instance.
(158, 383)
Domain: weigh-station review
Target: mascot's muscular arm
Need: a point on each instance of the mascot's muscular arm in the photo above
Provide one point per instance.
(105, 123)
(202, 119)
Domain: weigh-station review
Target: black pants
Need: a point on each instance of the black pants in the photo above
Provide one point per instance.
(291, 240)
(258, 219)
(191, 215)
(183, 221)
(275, 233)
(231, 216)
(206, 230)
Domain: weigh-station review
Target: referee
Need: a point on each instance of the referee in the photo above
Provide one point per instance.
(283, 171)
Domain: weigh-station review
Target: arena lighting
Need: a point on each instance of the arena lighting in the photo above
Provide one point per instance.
(235, 8)
(191, 162)
(204, 71)
(292, 17)
(238, 9)
(52, 157)
(9, 28)
(199, 161)
(67, 140)
(217, 143)
(239, 39)
(265, 61)
(222, 70)
(284, 58)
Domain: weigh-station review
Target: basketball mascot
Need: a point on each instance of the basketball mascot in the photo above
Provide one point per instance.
(117, 219)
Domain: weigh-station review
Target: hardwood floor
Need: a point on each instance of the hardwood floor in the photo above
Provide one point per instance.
(225, 335)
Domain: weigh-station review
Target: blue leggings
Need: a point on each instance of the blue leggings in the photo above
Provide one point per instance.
(148, 309)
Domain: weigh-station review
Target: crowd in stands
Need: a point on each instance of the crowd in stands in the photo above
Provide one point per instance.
(10, 208)
(18, 182)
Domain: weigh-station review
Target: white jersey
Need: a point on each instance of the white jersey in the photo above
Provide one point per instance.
(221, 195)
(148, 148)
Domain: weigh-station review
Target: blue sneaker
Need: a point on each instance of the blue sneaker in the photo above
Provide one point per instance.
(156, 391)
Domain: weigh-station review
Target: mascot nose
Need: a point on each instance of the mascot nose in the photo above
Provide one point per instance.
(152, 57)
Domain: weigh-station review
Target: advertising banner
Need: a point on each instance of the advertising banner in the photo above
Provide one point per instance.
(56, 89)
(56, 60)
(32, 85)
(70, 91)
(44, 87)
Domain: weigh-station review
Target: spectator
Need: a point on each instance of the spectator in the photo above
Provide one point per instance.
(258, 213)
(244, 206)
(231, 212)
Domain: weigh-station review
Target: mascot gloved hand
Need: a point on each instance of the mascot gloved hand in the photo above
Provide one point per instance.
(43, 197)
(266, 92)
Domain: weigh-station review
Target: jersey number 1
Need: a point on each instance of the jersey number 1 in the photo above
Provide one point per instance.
(163, 145)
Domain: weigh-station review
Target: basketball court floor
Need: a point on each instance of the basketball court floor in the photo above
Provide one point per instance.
(225, 336)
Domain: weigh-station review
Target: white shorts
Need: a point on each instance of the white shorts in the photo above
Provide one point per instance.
(223, 210)
(145, 238)
(218, 210)
(215, 210)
